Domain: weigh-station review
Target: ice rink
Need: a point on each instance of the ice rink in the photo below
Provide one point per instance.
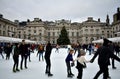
(36, 69)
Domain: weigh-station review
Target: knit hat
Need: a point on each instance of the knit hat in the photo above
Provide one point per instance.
(82, 52)
(105, 42)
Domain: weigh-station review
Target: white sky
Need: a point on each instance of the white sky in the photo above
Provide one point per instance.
(51, 10)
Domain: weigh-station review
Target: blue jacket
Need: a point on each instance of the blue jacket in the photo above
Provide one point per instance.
(69, 58)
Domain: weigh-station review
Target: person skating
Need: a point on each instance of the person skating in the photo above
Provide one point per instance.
(68, 59)
(47, 59)
(16, 58)
(40, 51)
(8, 50)
(24, 54)
(112, 48)
(77, 48)
(105, 54)
(57, 48)
(29, 53)
(117, 49)
(81, 63)
(1, 50)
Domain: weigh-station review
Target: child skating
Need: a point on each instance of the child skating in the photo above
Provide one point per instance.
(68, 59)
(81, 63)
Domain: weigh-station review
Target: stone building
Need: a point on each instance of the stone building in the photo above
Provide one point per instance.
(116, 24)
(54, 29)
(93, 30)
(43, 31)
(7, 27)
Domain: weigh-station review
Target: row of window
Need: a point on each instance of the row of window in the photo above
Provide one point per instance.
(117, 28)
(58, 33)
(5, 27)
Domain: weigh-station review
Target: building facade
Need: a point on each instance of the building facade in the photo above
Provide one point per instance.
(116, 24)
(7, 27)
(43, 31)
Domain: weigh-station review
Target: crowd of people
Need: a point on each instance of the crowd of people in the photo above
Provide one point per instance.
(24, 50)
(104, 52)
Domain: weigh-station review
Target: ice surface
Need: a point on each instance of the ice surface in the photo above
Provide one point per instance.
(36, 69)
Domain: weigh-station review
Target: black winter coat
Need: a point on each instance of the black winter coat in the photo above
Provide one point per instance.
(104, 54)
(48, 51)
(23, 49)
(16, 51)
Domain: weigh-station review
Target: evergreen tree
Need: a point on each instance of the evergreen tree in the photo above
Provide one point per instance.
(63, 37)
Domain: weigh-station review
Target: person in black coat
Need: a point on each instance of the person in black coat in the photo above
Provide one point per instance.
(112, 48)
(8, 50)
(1, 50)
(68, 59)
(24, 54)
(16, 57)
(105, 54)
(47, 59)
(117, 49)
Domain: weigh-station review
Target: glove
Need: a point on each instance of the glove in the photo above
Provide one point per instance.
(91, 61)
(72, 64)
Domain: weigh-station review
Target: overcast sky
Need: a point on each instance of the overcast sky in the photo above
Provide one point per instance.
(51, 10)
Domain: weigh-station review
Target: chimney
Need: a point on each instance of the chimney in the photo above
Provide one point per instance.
(1, 16)
(28, 20)
(118, 9)
(16, 21)
(90, 18)
(98, 19)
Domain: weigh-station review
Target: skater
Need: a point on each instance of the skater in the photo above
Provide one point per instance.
(117, 49)
(29, 52)
(8, 50)
(16, 54)
(57, 48)
(81, 63)
(40, 51)
(47, 59)
(90, 48)
(112, 48)
(68, 59)
(1, 50)
(24, 54)
(105, 54)
(77, 48)
(32, 47)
